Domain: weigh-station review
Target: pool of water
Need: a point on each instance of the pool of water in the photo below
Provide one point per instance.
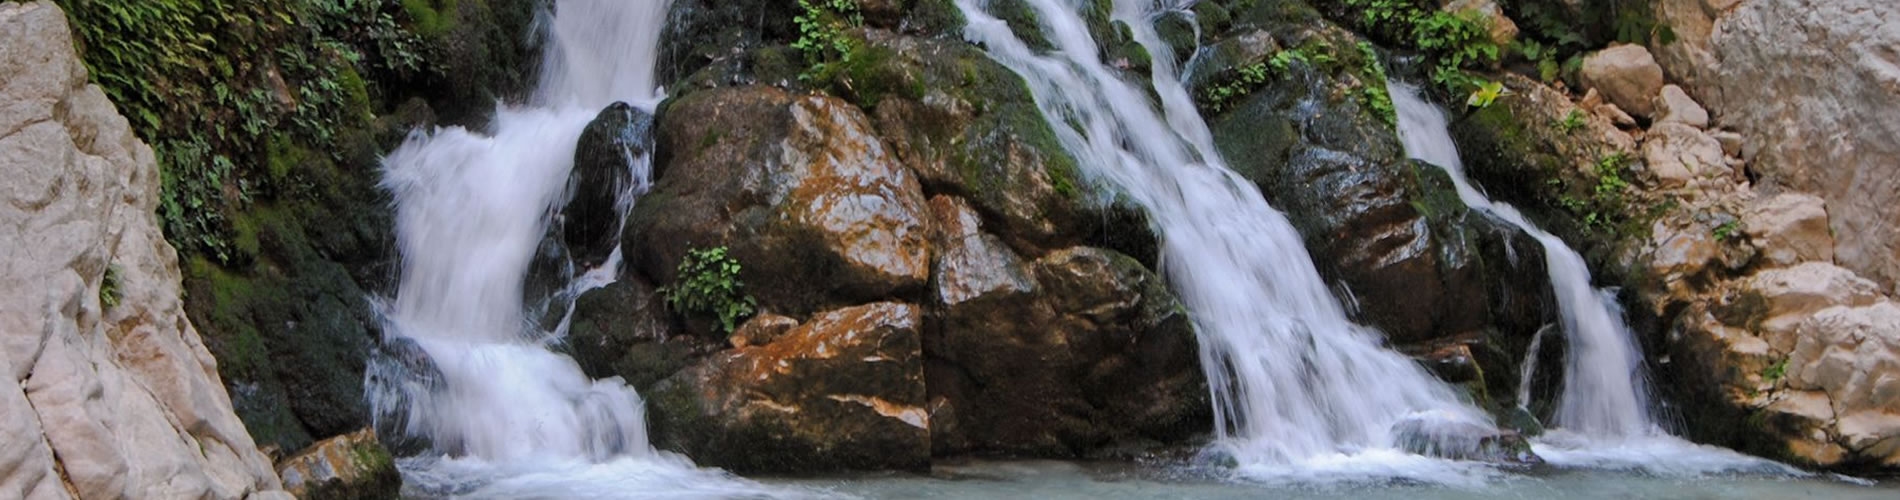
(1097, 481)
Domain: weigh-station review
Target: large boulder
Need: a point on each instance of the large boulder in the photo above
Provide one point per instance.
(1802, 80)
(1675, 105)
(1060, 356)
(604, 180)
(110, 390)
(1627, 75)
(845, 390)
(799, 188)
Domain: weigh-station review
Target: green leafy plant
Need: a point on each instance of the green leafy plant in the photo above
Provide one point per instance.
(822, 35)
(1376, 96)
(708, 285)
(1486, 93)
(1774, 373)
(1728, 230)
(1240, 82)
(1572, 121)
(206, 82)
(109, 287)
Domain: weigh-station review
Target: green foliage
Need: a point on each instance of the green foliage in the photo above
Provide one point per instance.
(708, 285)
(1240, 82)
(1544, 56)
(1452, 41)
(1606, 197)
(1773, 373)
(1571, 122)
(1728, 230)
(1376, 96)
(823, 37)
(1485, 94)
(109, 287)
(207, 81)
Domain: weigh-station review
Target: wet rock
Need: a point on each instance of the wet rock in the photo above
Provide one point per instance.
(969, 127)
(350, 466)
(761, 330)
(811, 204)
(1790, 228)
(1445, 437)
(1394, 233)
(610, 149)
(1673, 105)
(1627, 75)
(845, 390)
(1060, 356)
(624, 330)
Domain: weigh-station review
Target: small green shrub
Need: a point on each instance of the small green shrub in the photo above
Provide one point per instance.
(109, 287)
(822, 36)
(1375, 95)
(708, 285)
(1773, 373)
(1728, 230)
(1571, 122)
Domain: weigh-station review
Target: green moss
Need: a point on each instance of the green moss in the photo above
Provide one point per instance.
(1022, 21)
(429, 17)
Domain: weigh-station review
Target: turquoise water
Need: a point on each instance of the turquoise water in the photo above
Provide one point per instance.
(1071, 480)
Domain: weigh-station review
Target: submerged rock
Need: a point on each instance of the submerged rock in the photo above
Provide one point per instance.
(1438, 436)
(844, 390)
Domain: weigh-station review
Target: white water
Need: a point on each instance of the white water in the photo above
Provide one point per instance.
(508, 417)
(1300, 391)
(1603, 418)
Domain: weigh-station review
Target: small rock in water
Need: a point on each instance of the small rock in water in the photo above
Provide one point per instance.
(1437, 435)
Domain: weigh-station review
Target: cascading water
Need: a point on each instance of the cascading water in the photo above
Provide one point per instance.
(1298, 388)
(472, 375)
(1603, 415)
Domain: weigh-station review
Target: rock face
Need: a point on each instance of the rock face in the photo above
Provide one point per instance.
(845, 390)
(1748, 59)
(1627, 75)
(350, 466)
(799, 187)
(114, 394)
(1790, 228)
(610, 148)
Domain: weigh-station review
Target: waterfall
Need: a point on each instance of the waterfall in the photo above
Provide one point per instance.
(1296, 385)
(1604, 392)
(1603, 415)
(471, 374)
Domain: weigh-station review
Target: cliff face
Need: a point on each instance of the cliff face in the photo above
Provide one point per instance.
(114, 394)
(1815, 87)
